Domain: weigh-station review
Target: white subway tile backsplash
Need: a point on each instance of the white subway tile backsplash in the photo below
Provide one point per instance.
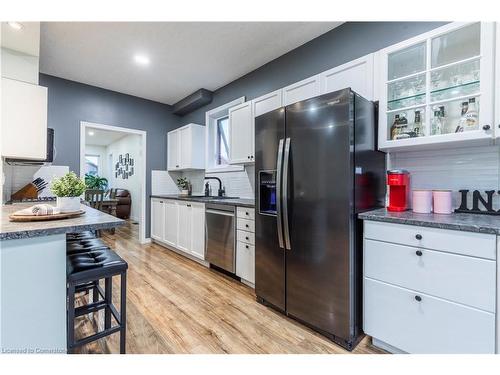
(472, 168)
(238, 184)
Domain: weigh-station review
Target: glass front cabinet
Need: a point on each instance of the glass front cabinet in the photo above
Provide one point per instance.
(437, 89)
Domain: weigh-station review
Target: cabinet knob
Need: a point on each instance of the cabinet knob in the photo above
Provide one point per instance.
(189, 205)
(419, 253)
(247, 213)
(247, 238)
(418, 237)
(176, 166)
(486, 127)
(418, 298)
(247, 225)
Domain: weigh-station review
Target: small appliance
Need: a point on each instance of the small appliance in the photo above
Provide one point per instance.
(398, 181)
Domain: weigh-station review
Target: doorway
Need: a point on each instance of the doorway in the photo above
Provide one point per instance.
(117, 154)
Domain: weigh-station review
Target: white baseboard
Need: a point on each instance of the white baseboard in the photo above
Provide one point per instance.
(387, 347)
(180, 252)
(146, 241)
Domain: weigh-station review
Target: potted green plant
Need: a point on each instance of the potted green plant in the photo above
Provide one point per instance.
(93, 181)
(183, 184)
(68, 190)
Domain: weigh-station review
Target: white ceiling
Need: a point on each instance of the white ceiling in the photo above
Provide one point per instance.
(102, 137)
(184, 56)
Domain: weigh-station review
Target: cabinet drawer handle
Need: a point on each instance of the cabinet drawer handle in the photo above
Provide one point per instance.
(486, 127)
(418, 298)
(419, 253)
(247, 238)
(247, 213)
(189, 205)
(247, 225)
(418, 237)
(246, 246)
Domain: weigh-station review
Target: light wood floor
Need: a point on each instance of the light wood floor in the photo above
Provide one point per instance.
(175, 305)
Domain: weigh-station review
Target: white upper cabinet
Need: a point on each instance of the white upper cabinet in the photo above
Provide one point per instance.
(437, 89)
(24, 120)
(356, 74)
(186, 148)
(173, 150)
(302, 90)
(241, 134)
(267, 103)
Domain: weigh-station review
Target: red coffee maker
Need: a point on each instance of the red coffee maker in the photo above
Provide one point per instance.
(398, 181)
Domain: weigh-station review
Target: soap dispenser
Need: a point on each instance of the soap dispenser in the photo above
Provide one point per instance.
(207, 189)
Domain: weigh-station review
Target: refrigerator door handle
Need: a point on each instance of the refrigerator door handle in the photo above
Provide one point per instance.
(278, 193)
(285, 194)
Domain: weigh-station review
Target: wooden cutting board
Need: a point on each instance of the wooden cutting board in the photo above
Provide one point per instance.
(64, 215)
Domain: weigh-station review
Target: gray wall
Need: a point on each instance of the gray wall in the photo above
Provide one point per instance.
(340, 45)
(71, 102)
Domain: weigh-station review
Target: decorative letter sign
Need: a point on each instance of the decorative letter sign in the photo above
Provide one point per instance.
(478, 199)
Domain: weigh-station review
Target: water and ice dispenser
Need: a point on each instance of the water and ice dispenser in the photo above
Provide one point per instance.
(267, 192)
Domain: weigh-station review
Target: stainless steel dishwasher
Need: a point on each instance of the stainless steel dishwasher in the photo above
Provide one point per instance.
(221, 222)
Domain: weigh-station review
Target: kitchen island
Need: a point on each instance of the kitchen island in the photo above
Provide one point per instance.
(33, 279)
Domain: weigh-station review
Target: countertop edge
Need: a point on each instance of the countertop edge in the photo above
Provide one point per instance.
(21, 234)
(465, 227)
(238, 202)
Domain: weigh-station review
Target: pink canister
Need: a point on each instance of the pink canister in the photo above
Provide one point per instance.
(422, 201)
(442, 201)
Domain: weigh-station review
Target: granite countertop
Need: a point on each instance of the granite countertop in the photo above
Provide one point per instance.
(91, 220)
(455, 221)
(240, 202)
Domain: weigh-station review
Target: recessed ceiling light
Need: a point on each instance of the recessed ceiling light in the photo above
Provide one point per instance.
(15, 25)
(91, 132)
(141, 59)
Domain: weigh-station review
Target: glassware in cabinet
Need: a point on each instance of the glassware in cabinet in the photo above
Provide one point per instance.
(457, 116)
(406, 92)
(406, 124)
(455, 81)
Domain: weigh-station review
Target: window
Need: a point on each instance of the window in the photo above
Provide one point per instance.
(217, 138)
(92, 164)
(222, 147)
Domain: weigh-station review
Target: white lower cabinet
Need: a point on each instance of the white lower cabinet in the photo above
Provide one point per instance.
(245, 261)
(419, 323)
(180, 225)
(171, 223)
(184, 240)
(428, 290)
(245, 244)
(198, 230)
(157, 218)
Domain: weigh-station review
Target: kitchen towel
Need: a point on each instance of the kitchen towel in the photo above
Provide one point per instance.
(38, 210)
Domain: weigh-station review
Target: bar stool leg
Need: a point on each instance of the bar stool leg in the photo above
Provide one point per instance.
(123, 311)
(70, 330)
(95, 292)
(108, 295)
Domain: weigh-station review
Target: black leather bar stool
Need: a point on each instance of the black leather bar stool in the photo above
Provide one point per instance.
(85, 268)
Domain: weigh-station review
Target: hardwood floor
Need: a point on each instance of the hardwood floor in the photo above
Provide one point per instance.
(175, 305)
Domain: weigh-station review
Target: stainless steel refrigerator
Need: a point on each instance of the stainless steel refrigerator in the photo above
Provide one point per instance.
(316, 168)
